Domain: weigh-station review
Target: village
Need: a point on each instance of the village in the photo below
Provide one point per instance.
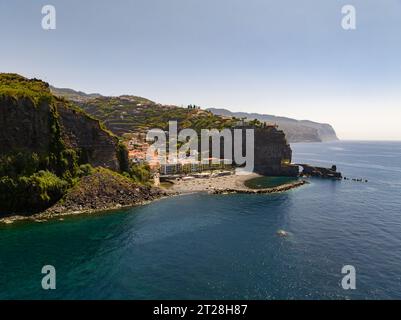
(181, 168)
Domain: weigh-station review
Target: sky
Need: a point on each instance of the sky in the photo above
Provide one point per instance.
(284, 57)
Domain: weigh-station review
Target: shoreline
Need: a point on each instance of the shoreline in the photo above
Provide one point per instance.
(229, 184)
(210, 184)
(234, 183)
(45, 216)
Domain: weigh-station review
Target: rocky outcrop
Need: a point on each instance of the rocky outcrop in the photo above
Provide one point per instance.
(272, 153)
(311, 171)
(103, 190)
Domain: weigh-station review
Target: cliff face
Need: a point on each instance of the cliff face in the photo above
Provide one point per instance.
(31, 120)
(96, 146)
(272, 153)
(24, 126)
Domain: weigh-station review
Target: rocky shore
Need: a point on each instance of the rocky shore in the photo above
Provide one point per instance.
(104, 190)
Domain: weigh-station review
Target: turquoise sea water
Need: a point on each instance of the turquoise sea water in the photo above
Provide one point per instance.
(268, 182)
(225, 246)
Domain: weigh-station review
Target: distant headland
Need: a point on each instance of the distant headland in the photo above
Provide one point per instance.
(295, 130)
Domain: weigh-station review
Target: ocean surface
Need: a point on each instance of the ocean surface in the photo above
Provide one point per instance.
(226, 246)
(268, 182)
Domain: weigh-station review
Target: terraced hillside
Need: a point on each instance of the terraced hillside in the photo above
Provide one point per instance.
(127, 114)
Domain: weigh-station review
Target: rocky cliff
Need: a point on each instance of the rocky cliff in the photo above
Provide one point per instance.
(80, 132)
(34, 121)
(47, 144)
(272, 153)
(24, 125)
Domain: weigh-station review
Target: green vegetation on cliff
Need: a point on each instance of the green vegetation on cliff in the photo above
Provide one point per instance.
(26, 159)
(47, 145)
(14, 85)
(31, 193)
(32, 179)
(140, 173)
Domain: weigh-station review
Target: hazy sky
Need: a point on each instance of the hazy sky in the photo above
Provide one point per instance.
(282, 57)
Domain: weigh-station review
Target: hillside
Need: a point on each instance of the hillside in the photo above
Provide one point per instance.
(127, 114)
(295, 130)
(72, 94)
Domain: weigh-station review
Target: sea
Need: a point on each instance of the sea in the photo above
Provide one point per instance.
(202, 246)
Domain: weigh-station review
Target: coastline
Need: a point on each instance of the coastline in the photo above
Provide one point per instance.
(234, 183)
(211, 184)
(46, 216)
